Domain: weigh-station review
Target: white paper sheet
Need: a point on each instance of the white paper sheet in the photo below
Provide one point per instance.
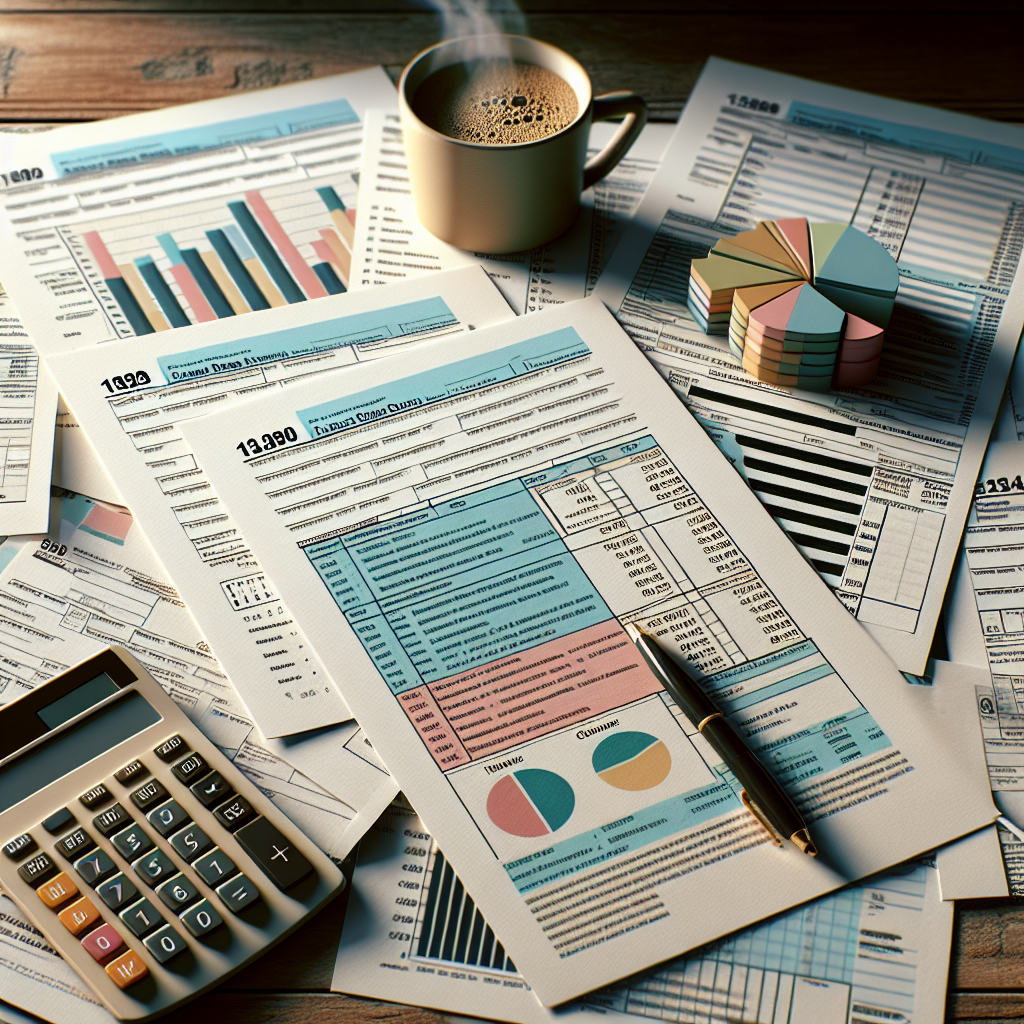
(413, 934)
(466, 541)
(391, 244)
(136, 430)
(92, 581)
(873, 484)
(76, 466)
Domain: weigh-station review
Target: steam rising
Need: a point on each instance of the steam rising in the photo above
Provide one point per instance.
(481, 19)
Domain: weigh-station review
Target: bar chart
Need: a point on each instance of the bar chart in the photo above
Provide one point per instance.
(222, 257)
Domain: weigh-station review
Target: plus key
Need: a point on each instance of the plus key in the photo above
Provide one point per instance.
(274, 852)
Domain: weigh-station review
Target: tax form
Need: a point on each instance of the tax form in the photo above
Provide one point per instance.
(391, 243)
(132, 400)
(873, 484)
(93, 581)
(418, 937)
(463, 544)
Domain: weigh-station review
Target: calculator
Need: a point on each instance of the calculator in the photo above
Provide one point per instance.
(132, 843)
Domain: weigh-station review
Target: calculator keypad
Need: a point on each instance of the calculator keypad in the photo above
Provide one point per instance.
(94, 867)
(149, 794)
(131, 842)
(118, 892)
(235, 813)
(92, 798)
(171, 749)
(130, 772)
(127, 969)
(75, 843)
(20, 846)
(58, 821)
(80, 915)
(274, 852)
(111, 820)
(57, 890)
(201, 919)
(168, 817)
(177, 892)
(141, 917)
(37, 869)
(154, 866)
(190, 768)
(214, 867)
(190, 842)
(211, 790)
(238, 893)
(102, 942)
(164, 944)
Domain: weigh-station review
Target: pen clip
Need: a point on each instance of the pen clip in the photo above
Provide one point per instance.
(759, 814)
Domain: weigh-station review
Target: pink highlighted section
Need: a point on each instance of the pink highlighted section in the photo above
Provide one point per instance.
(299, 267)
(107, 522)
(507, 701)
(100, 253)
(509, 809)
(201, 309)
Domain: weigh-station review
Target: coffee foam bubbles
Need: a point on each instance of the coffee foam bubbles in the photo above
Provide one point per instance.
(496, 102)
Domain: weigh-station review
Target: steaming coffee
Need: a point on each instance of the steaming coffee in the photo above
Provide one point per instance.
(495, 102)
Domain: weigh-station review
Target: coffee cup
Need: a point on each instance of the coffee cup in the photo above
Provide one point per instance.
(508, 196)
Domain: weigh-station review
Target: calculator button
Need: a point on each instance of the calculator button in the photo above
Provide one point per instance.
(148, 794)
(273, 852)
(238, 893)
(214, 867)
(58, 821)
(211, 790)
(164, 944)
(141, 917)
(111, 820)
(20, 846)
(201, 918)
(35, 870)
(171, 748)
(94, 797)
(102, 943)
(79, 916)
(57, 890)
(235, 813)
(154, 866)
(191, 768)
(75, 843)
(118, 892)
(131, 842)
(167, 817)
(127, 969)
(94, 867)
(191, 842)
(177, 892)
(130, 772)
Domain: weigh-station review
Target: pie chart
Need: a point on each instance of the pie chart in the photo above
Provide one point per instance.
(632, 760)
(530, 802)
(804, 305)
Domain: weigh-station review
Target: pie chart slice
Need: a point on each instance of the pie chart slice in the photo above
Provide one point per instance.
(530, 802)
(793, 233)
(758, 246)
(823, 238)
(632, 760)
(715, 278)
(857, 261)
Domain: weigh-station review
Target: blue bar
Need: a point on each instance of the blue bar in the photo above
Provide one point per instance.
(266, 252)
(165, 298)
(328, 278)
(207, 285)
(331, 198)
(236, 268)
(129, 305)
(170, 248)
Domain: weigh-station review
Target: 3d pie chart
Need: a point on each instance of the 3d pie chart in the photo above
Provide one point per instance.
(804, 304)
(530, 802)
(632, 760)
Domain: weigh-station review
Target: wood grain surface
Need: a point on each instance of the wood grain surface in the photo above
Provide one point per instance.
(64, 60)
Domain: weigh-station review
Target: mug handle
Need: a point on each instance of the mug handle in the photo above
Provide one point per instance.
(615, 104)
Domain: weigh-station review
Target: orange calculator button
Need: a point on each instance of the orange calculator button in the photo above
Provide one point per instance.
(79, 915)
(127, 969)
(57, 890)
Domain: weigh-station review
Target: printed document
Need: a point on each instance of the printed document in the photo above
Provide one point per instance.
(463, 543)
(391, 243)
(873, 484)
(413, 934)
(131, 398)
(157, 220)
(93, 581)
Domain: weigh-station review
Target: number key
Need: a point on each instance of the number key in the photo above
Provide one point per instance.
(75, 843)
(79, 916)
(214, 867)
(94, 867)
(111, 820)
(154, 866)
(118, 892)
(164, 944)
(132, 842)
(211, 790)
(238, 893)
(148, 794)
(102, 942)
(235, 813)
(172, 747)
(177, 892)
(141, 917)
(167, 817)
(201, 918)
(191, 768)
(190, 842)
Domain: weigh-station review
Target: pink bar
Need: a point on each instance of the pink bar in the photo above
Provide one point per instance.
(325, 252)
(299, 267)
(196, 299)
(108, 268)
(351, 214)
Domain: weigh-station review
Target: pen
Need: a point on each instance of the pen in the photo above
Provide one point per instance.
(762, 795)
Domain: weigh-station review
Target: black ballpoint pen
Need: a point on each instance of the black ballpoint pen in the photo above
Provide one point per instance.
(762, 795)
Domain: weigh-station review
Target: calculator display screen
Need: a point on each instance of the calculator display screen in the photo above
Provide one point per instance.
(78, 700)
(74, 747)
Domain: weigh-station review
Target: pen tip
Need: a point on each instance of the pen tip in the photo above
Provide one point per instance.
(803, 842)
(634, 632)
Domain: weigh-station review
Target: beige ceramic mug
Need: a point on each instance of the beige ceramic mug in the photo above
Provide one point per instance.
(507, 198)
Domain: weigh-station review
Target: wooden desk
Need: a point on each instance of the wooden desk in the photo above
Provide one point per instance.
(83, 59)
